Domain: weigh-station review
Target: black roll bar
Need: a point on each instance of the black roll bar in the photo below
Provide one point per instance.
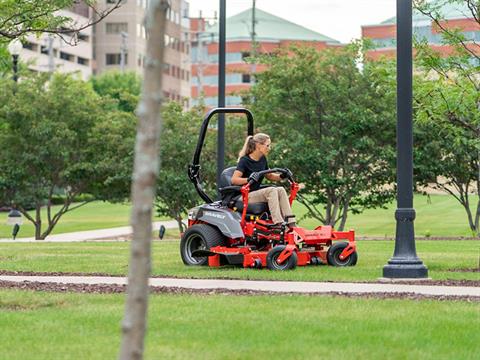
(194, 168)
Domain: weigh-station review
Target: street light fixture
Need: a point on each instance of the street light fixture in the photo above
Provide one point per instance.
(15, 218)
(14, 48)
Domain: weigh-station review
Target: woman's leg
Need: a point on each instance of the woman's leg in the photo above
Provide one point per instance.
(284, 203)
(269, 195)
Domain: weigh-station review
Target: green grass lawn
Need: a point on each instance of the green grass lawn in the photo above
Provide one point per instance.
(40, 325)
(438, 215)
(95, 215)
(440, 256)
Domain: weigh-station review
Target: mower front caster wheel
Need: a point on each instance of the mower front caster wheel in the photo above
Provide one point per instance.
(273, 255)
(333, 255)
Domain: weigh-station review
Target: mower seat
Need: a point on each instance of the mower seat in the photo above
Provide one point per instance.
(253, 209)
(232, 197)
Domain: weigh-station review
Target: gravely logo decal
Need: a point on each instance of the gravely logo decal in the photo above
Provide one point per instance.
(215, 215)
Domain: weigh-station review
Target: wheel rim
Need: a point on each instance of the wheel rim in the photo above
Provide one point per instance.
(192, 243)
(336, 256)
(278, 266)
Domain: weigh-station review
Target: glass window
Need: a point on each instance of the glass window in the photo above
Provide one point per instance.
(82, 61)
(114, 59)
(83, 37)
(66, 56)
(30, 46)
(116, 28)
(233, 57)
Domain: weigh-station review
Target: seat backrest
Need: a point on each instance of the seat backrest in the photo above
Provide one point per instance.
(226, 177)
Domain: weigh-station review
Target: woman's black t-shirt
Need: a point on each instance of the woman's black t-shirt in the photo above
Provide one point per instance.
(247, 166)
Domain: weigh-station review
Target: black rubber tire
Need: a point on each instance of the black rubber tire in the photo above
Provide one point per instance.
(289, 264)
(333, 255)
(199, 236)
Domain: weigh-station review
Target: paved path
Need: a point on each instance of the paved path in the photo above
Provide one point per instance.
(271, 286)
(94, 234)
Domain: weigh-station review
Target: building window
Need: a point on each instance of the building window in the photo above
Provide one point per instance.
(235, 57)
(188, 75)
(245, 55)
(30, 46)
(246, 78)
(82, 61)
(83, 37)
(114, 59)
(65, 56)
(116, 28)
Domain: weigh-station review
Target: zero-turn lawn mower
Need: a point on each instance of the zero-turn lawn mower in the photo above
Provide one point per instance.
(231, 231)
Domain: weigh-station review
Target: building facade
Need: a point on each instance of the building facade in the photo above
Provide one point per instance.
(120, 44)
(383, 35)
(62, 53)
(271, 33)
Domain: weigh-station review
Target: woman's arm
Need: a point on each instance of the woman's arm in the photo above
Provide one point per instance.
(237, 178)
(273, 177)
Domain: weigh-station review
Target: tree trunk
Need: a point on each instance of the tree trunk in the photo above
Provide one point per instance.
(344, 215)
(144, 183)
(477, 219)
(38, 223)
(179, 222)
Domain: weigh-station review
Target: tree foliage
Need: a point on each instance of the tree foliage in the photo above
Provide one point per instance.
(332, 124)
(123, 87)
(57, 142)
(448, 109)
(175, 192)
(19, 18)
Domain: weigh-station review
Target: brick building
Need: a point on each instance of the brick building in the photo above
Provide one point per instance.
(271, 32)
(383, 35)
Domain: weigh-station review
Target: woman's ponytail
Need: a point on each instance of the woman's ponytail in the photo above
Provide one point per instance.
(248, 147)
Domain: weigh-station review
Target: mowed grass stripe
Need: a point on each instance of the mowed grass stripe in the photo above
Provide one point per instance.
(440, 256)
(75, 326)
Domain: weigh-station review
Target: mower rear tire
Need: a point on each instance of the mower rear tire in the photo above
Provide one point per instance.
(274, 253)
(333, 255)
(199, 237)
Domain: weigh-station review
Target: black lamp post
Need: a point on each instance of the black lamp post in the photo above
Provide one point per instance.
(404, 263)
(221, 91)
(14, 48)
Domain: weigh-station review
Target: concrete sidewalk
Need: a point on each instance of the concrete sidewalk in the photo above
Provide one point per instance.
(93, 234)
(269, 286)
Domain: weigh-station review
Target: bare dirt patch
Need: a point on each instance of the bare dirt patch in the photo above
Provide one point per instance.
(448, 282)
(117, 289)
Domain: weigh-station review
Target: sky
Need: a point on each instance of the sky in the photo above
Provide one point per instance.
(338, 19)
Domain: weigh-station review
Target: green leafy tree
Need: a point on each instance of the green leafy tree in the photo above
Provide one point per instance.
(332, 124)
(175, 192)
(55, 141)
(123, 87)
(448, 108)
